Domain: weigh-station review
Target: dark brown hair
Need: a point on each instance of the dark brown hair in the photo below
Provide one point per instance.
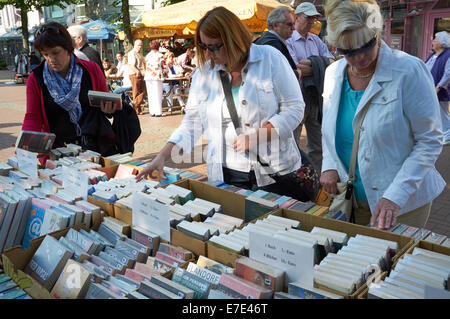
(154, 45)
(52, 34)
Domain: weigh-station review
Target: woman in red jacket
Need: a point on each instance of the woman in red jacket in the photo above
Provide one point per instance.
(57, 91)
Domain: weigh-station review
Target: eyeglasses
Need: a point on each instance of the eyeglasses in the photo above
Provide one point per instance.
(351, 53)
(211, 48)
(46, 28)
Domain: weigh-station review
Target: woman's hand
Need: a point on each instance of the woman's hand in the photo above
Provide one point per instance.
(245, 142)
(156, 165)
(386, 212)
(107, 107)
(329, 180)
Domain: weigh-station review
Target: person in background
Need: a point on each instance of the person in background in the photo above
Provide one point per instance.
(439, 65)
(57, 90)
(109, 68)
(136, 63)
(79, 36)
(400, 136)
(302, 45)
(185, 61)
(268, 101)
(124, 72)
(155, 72)
(178, 49)
(119, 57)
(281, 25)
(34, 60)
(21, 63)
(173, 88)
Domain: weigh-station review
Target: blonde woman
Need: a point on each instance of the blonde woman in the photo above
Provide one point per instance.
(173, 87)
(401, 134)
(267, 99)
(155, 72)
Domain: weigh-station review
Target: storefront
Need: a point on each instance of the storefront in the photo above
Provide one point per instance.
(411, 25)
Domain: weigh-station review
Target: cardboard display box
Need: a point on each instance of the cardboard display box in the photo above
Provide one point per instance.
(15, 260)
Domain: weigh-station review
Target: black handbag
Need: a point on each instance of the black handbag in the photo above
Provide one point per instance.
(302, 184)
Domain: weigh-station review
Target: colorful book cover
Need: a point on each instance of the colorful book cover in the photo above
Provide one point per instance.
(168, 259)
(289, 203)
(33, 229)
(171, 178)
(299, 290)
(258, 277)
(200, 286)
(313, 209)
(257, 207)
(302, 206)
(246, 288)
(177, 252)
(260, 193)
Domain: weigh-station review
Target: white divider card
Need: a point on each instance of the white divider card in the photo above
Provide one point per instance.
(27, 162)
(76, 182)
(296, 260)
(151, 215)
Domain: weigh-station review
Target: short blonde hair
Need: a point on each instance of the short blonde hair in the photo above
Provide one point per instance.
(221, 23)
(352, 23)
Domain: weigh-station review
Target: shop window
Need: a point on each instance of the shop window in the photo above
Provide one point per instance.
(441, 24)
(399, 11)
(397, 27)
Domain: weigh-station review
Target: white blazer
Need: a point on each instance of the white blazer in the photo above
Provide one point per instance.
(269, 93)
(400, 136)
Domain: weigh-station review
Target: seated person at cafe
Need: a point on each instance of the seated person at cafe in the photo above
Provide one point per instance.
(124, 72)
(173, 87)
(109, 67)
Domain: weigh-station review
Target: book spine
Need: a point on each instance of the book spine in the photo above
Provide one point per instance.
(239, 286)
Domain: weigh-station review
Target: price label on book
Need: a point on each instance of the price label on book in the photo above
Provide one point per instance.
(151, 215)
(76, 182)
(27, 162)
(296, 260)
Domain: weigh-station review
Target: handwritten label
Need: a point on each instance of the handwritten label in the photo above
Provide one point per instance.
(76, 182)
(151, 215)
(27, 162)
(296, 260)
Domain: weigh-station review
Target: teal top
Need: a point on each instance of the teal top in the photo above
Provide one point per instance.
(344, 132)
(235, 92)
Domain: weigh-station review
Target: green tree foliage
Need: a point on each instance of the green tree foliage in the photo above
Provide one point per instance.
(26, 6)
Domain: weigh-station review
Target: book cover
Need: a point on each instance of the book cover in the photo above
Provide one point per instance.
(48, 262)
(173, 287)
(257, 207)
(154, 291)
(259, 273)
(243, 287)
(37, 142)
(217, 294)
(302, 291)
(33, 229)
(173, 261)
(213, 265)
(97, 291)
(204, 273)
(435, 238)
(200, 286)
(174, 251)
(96, 98)
(136, 276)
(14, 293)
(302, 206)
(113, 288)
(5, 286)
(410, 231)
(284, 295)
(9, 220)
(146, 270)
(73, 282)
(143, 236)
(53, 221)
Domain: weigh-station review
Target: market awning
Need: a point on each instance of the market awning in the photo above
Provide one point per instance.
(100, 30)
(143, 32)
(185, 15)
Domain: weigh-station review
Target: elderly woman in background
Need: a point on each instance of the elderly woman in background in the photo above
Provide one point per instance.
(439, 65)
(400, 137)
(173, 87)
(57, 90)
(267, 98)
(155, 72)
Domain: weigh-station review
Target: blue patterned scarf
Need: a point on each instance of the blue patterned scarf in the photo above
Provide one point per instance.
(65, 91)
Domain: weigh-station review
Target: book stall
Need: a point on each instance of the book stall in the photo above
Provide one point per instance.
(82, 228)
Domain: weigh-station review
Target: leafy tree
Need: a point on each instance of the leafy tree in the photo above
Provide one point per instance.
(26, 6)
(123, 19)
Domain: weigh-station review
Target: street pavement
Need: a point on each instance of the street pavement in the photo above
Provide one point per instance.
(156, 131)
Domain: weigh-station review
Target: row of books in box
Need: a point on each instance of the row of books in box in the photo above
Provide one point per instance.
(363, 251)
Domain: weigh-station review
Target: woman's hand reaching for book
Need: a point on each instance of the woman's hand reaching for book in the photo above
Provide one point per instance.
(329, 180)
(157, 165)
(385, 213)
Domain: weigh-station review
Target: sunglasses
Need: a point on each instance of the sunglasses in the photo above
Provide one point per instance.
(211, 48)
(351, 53)
(46, 28)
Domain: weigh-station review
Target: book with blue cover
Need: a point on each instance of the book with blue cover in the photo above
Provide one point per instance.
(35, 220)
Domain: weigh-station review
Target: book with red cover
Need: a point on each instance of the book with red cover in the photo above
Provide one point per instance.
(259, 273)
(135, 275)
(37, 142)
(241, 288)
(146, 270)
(125, 171)
(177, 252)
(169, 259)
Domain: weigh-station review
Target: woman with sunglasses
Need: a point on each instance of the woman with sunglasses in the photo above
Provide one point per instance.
(268, 103)
(57, 92)
(400, 136)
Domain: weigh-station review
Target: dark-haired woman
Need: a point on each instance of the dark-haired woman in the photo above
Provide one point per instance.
(57, 91)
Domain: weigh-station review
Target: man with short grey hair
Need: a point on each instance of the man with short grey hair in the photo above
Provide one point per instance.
(302, 46)
(80, 39)
(280, 24)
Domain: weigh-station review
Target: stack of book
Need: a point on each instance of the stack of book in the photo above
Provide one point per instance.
(348, 269)
(420, 234)
(412, 274)
(9, 289)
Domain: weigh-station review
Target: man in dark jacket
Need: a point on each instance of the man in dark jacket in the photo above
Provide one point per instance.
(281, 25)
(79, 36)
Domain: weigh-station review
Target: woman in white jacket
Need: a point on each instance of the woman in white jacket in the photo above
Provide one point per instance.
(401, 134)
(268, 101)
